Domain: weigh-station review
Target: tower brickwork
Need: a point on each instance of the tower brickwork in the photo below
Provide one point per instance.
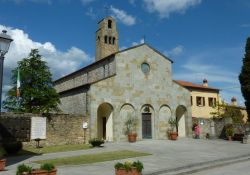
(106, 38)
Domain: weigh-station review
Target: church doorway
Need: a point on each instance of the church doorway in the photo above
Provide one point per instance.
(181, 113)
(146, 122)
(105, 122)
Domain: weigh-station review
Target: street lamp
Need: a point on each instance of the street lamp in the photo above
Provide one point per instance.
(5, 41)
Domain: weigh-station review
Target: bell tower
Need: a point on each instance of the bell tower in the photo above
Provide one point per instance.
(106, 38)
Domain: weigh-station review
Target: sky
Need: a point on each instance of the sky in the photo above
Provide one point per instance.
(204, 38)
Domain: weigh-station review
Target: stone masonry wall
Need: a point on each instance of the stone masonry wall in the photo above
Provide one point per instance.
(60, 128)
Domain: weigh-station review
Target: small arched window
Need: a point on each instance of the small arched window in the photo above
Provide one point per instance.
(106, 39)
(114, 40)
(109, 24)
(110, 39)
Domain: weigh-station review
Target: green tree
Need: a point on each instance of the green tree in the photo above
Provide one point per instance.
(37, 92)
(223, 110)
(244, 77)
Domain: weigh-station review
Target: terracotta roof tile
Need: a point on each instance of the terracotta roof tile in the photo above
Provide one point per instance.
(194, 86)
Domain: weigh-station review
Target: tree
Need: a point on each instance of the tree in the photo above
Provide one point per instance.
(223, 110)
(37, 92)
(244, 77)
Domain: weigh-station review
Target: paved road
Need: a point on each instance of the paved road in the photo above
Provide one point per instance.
(242, 168)
(166, 155)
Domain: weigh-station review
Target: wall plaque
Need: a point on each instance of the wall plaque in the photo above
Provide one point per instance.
(38, 128)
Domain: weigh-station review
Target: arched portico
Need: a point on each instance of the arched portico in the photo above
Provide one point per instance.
(181, 113)
(105, 121)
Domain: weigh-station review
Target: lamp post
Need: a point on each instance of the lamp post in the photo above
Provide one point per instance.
(5, 41)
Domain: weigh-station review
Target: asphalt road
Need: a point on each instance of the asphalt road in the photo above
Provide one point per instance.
(242, 168)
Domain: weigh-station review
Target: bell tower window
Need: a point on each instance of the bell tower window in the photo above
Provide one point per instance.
(109, 24)
(110, 39)
(113, 40)
(105, 39)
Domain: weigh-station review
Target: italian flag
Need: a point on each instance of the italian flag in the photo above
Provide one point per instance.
(18, 84)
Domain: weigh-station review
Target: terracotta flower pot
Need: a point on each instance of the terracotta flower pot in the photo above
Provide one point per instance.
(132, 137)
(173, 135)
(2, 164)
(123, 171)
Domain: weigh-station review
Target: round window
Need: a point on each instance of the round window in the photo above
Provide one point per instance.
(145, 68)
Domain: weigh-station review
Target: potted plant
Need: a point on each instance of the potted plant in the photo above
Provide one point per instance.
(229, 132)
(128, 168)
(131, 128)
(173, 125)
(2, 160)
(95, 142)
(45, 169)
(23, 169)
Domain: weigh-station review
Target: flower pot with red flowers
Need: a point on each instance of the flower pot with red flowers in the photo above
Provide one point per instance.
(128, 168)
(45, 169)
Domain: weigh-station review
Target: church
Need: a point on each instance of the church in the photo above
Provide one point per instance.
(135, 81)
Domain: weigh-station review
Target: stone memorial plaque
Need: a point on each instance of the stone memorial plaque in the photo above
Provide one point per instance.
(38, 128)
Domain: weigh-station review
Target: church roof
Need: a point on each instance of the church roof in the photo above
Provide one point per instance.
(190, 85)
(109, 57)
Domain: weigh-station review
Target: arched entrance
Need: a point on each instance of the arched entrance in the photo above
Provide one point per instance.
(181, 112)
(147, 113)
(105, 121)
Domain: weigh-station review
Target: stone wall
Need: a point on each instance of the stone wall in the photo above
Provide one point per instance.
(92, 73)
(60, 128)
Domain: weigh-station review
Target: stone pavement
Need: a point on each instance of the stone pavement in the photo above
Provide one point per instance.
(167, 156)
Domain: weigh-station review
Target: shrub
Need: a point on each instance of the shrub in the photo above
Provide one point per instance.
(12, 146)
(229, 130)
(95, 142)
(47, 166)
(128, 165)
(23, 168)
(2, 152)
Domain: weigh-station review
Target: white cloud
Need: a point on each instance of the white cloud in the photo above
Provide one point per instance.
(60, 62)
(90, 12)
(166, 7)
(245, 25)
(175, 51)
(122, 16)
(132, 2)
(137, 43)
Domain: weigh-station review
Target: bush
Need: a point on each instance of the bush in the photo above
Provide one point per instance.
(12, 146)
(2, 152)
(23, 168)
(47, 166)
(128, 165)
(95, 142)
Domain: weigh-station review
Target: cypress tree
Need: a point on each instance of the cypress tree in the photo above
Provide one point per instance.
(244, 77)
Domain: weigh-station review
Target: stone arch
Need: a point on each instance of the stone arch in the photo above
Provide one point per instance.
(181, 118)
(126, 110)
(147, 121)
(164, 114)
(105, 121)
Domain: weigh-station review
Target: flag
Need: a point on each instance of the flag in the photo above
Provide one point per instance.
(18, 84)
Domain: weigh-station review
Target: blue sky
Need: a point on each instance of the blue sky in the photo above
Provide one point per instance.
(204, 38)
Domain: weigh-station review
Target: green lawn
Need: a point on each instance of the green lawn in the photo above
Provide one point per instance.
(28, 150)
(93, 158)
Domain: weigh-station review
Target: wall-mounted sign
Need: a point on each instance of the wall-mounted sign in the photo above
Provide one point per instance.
(85, 125)
(38, 128)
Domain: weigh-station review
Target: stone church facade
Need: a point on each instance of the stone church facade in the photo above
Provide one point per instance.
(136, 81)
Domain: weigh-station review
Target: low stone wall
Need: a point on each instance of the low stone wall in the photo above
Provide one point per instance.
(60, 128)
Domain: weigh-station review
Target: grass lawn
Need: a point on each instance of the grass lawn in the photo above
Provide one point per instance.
(28, 150)
(93, 158)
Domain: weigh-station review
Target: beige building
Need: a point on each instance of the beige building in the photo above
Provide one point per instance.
(133, 82)
(203, 98)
